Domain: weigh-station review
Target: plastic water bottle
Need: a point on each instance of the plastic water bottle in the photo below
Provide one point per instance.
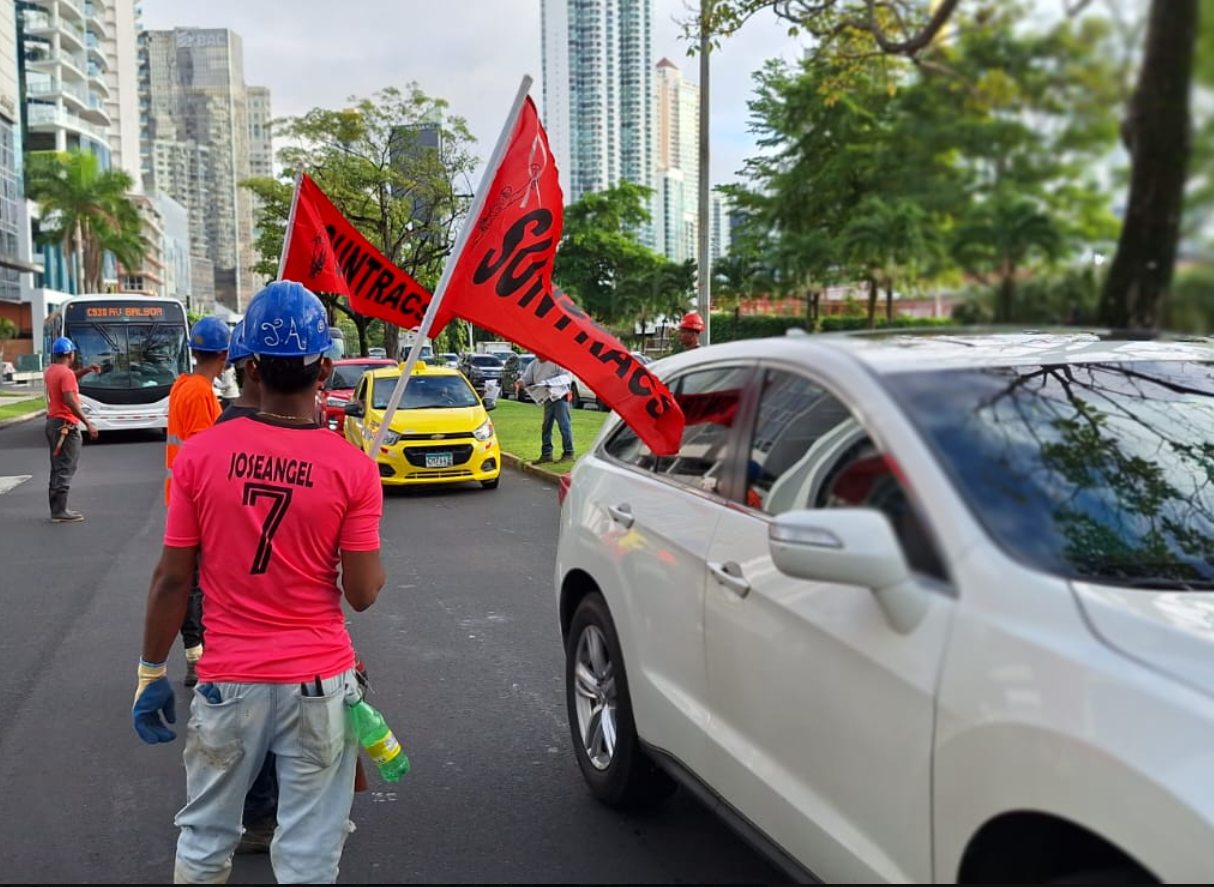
(377, 738)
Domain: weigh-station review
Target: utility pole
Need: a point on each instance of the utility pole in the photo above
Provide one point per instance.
(705, 262)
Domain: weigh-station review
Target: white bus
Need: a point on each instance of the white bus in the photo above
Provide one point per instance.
(140, 343)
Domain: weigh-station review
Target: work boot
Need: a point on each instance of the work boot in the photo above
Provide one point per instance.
(59, 510)
(257, 836)
(567, 457)
(543, 459)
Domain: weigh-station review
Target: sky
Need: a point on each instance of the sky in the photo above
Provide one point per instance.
(473, 53)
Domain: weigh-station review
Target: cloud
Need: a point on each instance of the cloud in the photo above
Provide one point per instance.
(473, 53)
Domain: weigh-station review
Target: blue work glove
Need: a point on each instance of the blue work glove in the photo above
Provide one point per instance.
(154, 696)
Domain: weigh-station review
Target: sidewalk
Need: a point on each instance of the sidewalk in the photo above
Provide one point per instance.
(10, 396)
(523, 465)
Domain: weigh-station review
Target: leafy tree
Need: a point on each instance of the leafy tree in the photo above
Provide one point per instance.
(886, 239)
(1156, 129)
(999, 236)
(86, 210)
(8, 330)
(396, 165)
(601, 263)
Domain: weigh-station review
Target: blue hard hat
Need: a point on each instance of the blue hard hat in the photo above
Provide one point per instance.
(286, 319)
(210, 334)
(63, 345)
(237, 350)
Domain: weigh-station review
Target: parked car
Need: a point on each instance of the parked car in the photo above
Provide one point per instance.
(447, 359)
(335, 392)
(512, 370)
(441, 432)
(584, 395)
(376, 352)
(481, 368)
(923, 608)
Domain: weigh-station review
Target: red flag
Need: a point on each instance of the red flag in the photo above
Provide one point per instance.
(502, 281)
(327, 254)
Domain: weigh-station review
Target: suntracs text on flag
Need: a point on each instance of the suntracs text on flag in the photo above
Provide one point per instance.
(328, 255)
(503, 282)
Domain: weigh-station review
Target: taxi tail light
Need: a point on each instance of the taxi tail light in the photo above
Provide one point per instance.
(562, 489)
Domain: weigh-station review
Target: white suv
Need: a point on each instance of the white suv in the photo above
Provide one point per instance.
(911, 608)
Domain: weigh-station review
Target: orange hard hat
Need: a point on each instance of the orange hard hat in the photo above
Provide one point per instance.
(692, 321)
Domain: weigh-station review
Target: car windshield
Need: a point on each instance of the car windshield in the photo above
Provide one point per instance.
(347, 375)
(427, 393)
(485, 360)
(1103, 472)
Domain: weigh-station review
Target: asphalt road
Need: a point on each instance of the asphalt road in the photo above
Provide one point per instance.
(465, 662)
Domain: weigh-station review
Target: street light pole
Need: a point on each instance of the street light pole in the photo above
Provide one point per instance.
(705, 263)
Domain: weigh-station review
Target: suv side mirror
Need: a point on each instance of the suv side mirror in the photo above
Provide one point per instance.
(355, 409)
(850, 546)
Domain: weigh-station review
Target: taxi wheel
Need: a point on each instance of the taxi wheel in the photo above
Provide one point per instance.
(490, 484)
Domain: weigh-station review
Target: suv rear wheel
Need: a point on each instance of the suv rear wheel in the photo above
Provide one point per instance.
(609, 754)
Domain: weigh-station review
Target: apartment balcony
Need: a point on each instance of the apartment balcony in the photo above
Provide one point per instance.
(45, 27)
(96, 24)
(67, 63)
(95, 50)
(97, 79)
(67, 8)
(51, 118)
(74, 95)
(95, 111)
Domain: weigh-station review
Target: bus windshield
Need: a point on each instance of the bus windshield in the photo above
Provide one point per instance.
(136, 345)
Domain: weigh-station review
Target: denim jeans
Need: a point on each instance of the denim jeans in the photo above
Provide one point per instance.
(315, 751)
(556, 411)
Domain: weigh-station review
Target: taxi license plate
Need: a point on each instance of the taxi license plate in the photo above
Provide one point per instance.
(439, 460)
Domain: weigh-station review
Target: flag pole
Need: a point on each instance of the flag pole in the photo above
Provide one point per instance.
(286, 241)
(474, 212)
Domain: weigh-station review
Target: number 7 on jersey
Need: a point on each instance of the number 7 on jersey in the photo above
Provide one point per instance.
(280, 501)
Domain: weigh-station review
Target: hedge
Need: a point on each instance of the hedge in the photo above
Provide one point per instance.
(728, 328)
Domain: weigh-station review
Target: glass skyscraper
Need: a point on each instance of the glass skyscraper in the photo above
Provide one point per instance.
(599, 92)
(196, 145)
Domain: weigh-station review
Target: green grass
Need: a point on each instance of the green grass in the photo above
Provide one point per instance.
(518, 430)
(21, 408)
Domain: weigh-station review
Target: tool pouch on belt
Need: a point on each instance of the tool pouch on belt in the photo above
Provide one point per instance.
(64, 430)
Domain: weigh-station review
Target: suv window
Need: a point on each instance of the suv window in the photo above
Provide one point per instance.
(709, 400)
(807, 450)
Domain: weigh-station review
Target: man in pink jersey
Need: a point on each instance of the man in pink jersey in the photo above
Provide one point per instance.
(278, 504)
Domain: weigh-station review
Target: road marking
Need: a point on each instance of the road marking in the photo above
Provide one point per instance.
(12, 481)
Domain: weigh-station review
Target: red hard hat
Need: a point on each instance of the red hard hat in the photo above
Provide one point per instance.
(692, 321)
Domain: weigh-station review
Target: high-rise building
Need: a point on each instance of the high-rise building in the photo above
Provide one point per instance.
(121, 24)
(261, 148)
(598, 92)
(721, 225)
(677, 164)
(12, 215)
(197, 146)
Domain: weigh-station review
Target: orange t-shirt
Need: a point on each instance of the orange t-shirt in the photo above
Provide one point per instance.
(58, 379)
(193, 407)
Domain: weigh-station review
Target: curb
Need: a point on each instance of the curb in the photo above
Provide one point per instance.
(526, 467)
(16, 420)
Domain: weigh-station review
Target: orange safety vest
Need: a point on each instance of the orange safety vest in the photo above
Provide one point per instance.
(193, 407)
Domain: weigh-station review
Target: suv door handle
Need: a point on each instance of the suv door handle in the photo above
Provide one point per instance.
(730, 575)
(621, 514)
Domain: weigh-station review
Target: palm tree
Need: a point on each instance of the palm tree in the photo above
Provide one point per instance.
(999, 237)
(86, 210)
(887, 240)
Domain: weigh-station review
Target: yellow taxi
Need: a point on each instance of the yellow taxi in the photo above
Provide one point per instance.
(441, 432)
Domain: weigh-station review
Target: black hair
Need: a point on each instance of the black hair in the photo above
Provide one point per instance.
(287, 375)
(238, 371)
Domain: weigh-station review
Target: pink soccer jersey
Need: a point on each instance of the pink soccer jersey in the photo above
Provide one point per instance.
(272, 507)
